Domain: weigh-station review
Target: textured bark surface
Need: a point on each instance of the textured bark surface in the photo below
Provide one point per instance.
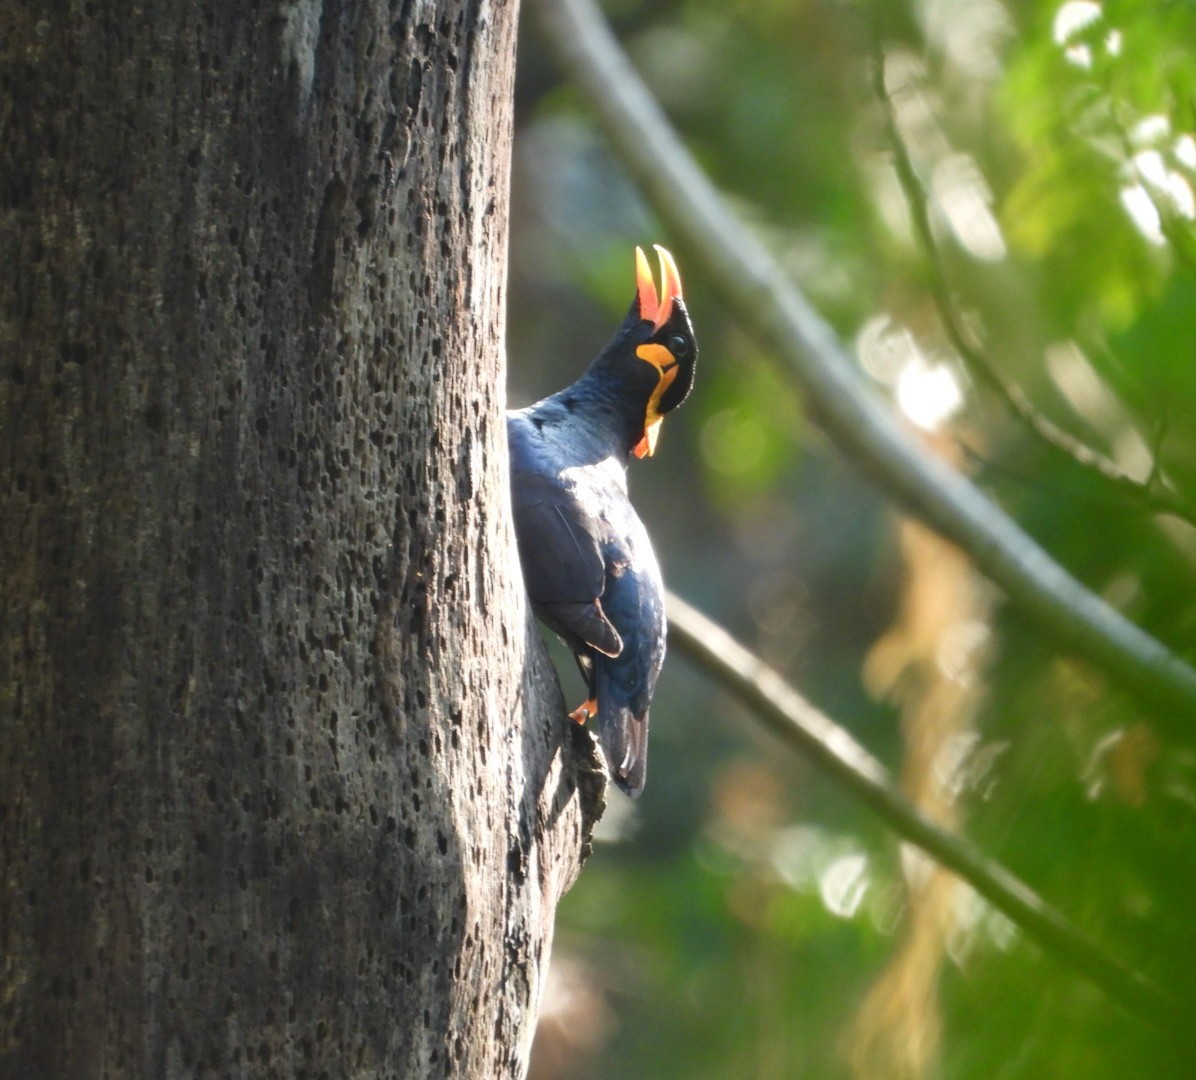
(285, 788)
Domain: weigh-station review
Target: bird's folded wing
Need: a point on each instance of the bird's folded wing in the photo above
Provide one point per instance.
(563, 566)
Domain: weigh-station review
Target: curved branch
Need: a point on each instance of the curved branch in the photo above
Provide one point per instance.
(753, 286)
(1156, 495)
(796, 722)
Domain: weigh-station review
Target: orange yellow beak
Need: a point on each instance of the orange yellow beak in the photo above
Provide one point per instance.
(657, 308)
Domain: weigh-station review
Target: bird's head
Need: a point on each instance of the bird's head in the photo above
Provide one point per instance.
(651, 358)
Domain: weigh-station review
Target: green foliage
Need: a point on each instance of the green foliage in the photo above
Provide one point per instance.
(751, 427)
(1080, 110)
(711, 928)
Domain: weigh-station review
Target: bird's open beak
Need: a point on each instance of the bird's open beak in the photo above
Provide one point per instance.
(654, 307)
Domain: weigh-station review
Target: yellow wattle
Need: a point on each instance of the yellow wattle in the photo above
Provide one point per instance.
(660, 358)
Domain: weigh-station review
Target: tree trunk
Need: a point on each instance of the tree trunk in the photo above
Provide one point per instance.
(286, 788)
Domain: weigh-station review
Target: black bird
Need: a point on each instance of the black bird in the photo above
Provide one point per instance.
(587, 561)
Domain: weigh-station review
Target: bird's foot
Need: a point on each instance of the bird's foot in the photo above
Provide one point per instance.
(584, 711)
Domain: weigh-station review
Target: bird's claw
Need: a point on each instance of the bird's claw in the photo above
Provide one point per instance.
(584, 711)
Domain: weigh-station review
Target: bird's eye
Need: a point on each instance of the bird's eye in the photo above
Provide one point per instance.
(679, 346)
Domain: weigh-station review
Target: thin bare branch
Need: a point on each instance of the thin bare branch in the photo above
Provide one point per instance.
(1157, 495)
(755, 289)
(788, 715)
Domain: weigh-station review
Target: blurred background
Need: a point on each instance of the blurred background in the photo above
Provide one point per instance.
(744, 918)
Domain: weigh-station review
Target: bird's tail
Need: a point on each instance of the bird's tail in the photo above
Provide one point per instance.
(624, 739)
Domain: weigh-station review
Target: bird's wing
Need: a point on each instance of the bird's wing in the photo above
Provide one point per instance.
(563, 566)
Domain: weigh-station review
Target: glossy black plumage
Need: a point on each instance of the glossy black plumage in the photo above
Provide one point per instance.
(587, 561)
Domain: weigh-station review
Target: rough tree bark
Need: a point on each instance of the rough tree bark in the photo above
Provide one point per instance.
(284, 786)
